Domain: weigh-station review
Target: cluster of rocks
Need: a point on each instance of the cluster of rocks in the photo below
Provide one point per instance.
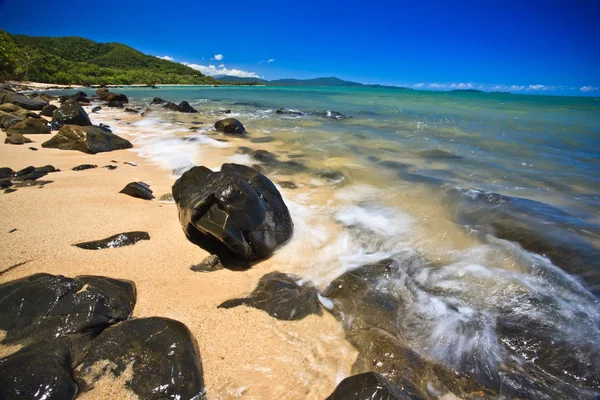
(75, 331)
(29, 176)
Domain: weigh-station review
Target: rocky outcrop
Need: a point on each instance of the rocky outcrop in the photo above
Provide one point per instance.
(30, 126)
(106, 95)
(158, 100)
(115, 241)
(236, 210)
(230, 126)
(88, 139)
(48, 110)
(43, 306)
(183, 107)
(70, 113)
(140, 190)
(161, 352)
(21, 100)
(282, 297)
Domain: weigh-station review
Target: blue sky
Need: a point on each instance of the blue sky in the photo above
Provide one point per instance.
(550, 47)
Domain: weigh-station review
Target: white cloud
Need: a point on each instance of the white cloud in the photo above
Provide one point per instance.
(461, 86)
(418, 85)
(434, 85)
(221, 70)
(493, 87)
(166, 58)
(537, 87)
(218, 57)
(270, 60)
(588, 88)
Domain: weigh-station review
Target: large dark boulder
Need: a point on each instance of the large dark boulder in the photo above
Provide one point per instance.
(238, 209)
(70, 113)
(41, 371)
(30, 126)
(282, 297)
(48, 110)
(185, 107)
(88, 139)
(162, 352)
(370, 386)
(43, 306)
(230, 126)
(21, 100)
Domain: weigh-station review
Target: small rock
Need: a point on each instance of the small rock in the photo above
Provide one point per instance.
(96, 109)
(16, 138)
(115, 104)
(110, 167)
(131, 111)
(287, 185)
(12, 230)
(129, 163)
(33, 148)
(209, 264)
(140, 190)
(118, 240)
(167, 197)
(158, 100)
(84, 167)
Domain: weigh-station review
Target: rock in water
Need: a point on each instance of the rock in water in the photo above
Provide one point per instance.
(140, 190)
(237, 210)
(185, 107)
(119, 240)
(162, 353)
(30, 126)
(88, 139)
(115, 104)
(48, 110)
(370, 386)
(158, 100)
(42, 306)
(39, 371)
(230, 126)
(84, 167)
(281, 297)
(209, 264)
(70, 112)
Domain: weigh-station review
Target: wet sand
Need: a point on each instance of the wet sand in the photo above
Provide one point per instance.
(244, 351)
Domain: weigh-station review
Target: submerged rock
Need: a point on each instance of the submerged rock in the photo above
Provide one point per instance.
(334, 115)
(237, 210)
(264, 139)
(209, 264)
(30, 126)
(271, 163)
(39, 371)
(162, 352)
(48, 110)
(230, 126)
(282, 297)
(331, 176)
(70, 113)
(118, 240)
(43, 306)
(88, 139)
(84, 167)
(370, 386)
(438, 154)
(140, 190)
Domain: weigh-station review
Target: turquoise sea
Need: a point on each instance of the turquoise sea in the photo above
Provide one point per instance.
(488, 203)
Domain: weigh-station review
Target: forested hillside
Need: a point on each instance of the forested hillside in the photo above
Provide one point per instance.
(75, 60)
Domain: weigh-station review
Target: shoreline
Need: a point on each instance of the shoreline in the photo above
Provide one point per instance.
(243, 350)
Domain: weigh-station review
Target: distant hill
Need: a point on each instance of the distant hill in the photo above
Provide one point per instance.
(76, 60)
(329, 81)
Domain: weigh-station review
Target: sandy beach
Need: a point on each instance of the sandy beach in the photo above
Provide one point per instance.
(244, 351)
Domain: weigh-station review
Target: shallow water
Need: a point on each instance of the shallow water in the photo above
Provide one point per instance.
(489, 284)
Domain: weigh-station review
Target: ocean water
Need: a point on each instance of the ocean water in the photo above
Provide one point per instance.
(496, 196)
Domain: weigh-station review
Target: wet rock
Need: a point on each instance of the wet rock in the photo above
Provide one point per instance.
(33, 148)
(271, 163)
(110, 167)
(70, 113)
(394, 165)
(284, 111)
(115, 104)
(370, 386)
(32, 173)
(145, 112)
(539, 228)
(237, 210)
(171, 106)
(5, 183)
(157, 100)
(39, 371)
(30, 126)
(106, 95)
(438, 154)
(185, 107)
(167, 197)
(42, 306)
(264, 139)
(230, 126)
(287, 185)
(130, 163)
(115, 241)
(162, 353)
(22, 101)
(209, 264)
(331, 176)
(88, 139)
(334, 115)
(48, 110)
(7, 121)
(140, 190)
(131, 111)
(96, 109)
(282, 297)
(16, 138)
(84, 167)
(6, 172)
